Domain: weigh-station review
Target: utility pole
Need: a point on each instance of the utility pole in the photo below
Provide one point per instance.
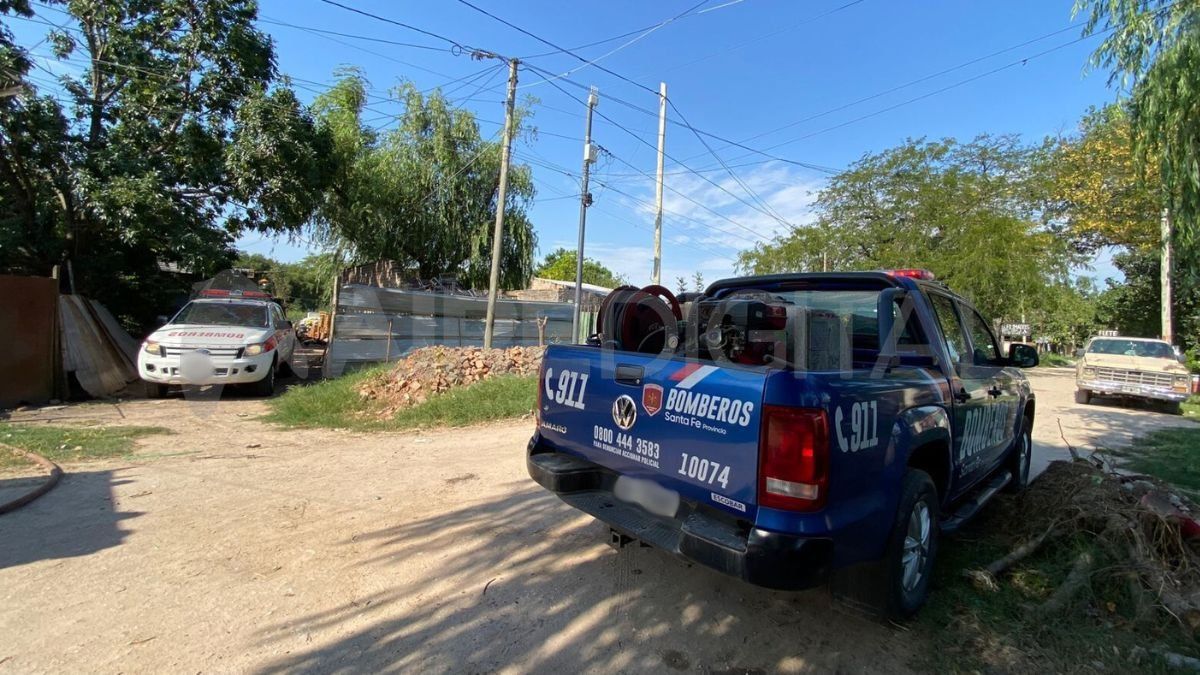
(585, 200)
(1168, 332)
(498, 232)
(658, 187)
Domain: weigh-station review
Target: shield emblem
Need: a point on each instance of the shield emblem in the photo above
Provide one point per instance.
(652, 398)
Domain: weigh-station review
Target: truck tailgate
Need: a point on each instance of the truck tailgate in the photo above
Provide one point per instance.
(689, 427)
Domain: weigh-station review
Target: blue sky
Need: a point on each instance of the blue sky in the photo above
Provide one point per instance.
(735, 69)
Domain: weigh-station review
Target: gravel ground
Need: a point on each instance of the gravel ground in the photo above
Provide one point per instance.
(231, 545)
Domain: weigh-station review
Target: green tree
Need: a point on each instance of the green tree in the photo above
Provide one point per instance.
(176, 137)
(1132, 306)
(560, 264)
(973, 213)
(1153, 51)
(1101, 193)
(423, 194)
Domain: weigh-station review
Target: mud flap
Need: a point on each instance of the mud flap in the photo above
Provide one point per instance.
(862, 588)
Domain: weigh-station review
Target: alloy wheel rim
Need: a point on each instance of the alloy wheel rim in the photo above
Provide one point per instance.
(916, 546)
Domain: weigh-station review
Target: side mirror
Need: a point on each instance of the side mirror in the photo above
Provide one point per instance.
(162, 319)
(290, 325)
(1022, 356)
(1079, 353)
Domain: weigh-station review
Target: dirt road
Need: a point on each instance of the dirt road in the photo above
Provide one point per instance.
(231, 545)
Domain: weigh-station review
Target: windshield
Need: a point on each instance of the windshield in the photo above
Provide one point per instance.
(223, 314)
(1156, 350)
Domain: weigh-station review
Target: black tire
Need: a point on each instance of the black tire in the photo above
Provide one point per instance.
(1020, 458)
(265, 386)
(1172, 407)
(908, 586)
(1083, 396)
(155, 390)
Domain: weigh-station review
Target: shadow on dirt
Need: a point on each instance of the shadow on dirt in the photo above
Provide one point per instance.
(525, 582)
(76, 518)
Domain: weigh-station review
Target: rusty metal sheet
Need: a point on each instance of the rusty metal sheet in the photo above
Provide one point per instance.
(29, 360)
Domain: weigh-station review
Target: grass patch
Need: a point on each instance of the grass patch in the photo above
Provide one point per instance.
(69, 444)
(1171, 455)
(332, 403)
(1191, 407)
(337, 404)
(1052, 360)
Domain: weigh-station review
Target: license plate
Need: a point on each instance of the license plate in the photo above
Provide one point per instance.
(647, 494)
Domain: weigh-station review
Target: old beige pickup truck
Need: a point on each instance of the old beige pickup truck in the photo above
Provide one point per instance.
(1128, 367)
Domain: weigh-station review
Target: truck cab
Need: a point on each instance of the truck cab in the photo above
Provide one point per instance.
(788, 430)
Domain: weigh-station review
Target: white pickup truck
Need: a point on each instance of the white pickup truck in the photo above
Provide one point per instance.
(222, 337)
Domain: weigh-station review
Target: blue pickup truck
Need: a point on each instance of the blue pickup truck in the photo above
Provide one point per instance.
(790, 430)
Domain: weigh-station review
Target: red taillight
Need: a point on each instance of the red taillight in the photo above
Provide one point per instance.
(924, 275)
(793, 463)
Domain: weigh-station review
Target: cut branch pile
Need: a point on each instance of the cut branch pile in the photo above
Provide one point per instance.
(1129, 529)
(429, 371)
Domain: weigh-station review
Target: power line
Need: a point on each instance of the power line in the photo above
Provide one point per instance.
(757, 40)
(353, 36)
(751, 193)
(453, 43)
(643, 29)
(594, 61)
(807, 165)
(699, 175)
(1019, 62)
(550, 44)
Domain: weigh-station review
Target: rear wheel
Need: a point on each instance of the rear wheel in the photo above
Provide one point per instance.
(1083, 396)
(1020, 458)
(912, 546)
(1172, 407)
(266, 386)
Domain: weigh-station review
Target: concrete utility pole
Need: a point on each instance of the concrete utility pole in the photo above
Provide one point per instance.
(498, 232)
(658, 186)
(585, 200)
(1168, 332)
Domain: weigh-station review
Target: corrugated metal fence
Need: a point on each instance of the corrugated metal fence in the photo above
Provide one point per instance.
(375, 324)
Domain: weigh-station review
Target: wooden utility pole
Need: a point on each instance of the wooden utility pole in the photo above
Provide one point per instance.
(1168, 333)
(585, 200)
(658, 186)
(498, 232)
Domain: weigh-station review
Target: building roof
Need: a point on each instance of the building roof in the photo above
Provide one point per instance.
(591, 288)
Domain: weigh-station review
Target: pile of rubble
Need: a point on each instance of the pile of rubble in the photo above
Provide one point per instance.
(429, 371)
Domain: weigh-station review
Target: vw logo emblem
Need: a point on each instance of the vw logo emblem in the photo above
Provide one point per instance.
(203, 351)
(624, 412)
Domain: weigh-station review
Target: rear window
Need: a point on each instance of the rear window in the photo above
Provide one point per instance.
(223, 314)
(1157, 350)
(813, 329)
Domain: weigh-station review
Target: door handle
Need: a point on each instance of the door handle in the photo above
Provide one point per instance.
(630, 375)
(995, 391)
(962, 395)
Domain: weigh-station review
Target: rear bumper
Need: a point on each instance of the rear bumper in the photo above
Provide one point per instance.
(1132, 390)
(757, 556)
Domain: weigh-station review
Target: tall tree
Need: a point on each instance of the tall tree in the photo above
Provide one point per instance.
(423, 194)
(172, 137)
(973, 213)
(560, 264)
(1099, 190)
(1153, 51)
